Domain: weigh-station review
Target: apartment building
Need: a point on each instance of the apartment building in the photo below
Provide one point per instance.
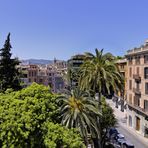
(121, 95)
(73, 68)
(42, 77)
(32, 73)
(48, 75)
(55, 79)
(137, 89)
(28, 74)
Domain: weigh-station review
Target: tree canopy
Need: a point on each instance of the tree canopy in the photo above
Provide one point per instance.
(9, 75)
(28, 118)
(80, 110)
(107, 120)
(100, 73)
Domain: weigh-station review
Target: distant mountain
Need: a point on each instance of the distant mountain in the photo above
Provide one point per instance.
(37, 61)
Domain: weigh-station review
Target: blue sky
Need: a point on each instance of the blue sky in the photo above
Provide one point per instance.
(45, 29)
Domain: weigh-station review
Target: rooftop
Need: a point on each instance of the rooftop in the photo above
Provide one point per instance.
(142, 48)
(121, 61)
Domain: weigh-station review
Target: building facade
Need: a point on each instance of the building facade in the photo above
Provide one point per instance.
(137, 89)
(121, 95)
(73, 70)
(49, 75)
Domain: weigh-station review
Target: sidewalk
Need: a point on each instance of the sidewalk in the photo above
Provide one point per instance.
(122, 121)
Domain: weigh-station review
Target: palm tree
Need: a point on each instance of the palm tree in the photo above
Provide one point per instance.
(79, 110)
(100, 73)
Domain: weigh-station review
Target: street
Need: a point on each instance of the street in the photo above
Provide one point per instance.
(131, 137)
(138, 140)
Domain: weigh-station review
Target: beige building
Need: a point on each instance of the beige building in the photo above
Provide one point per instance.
(121, 95)
(48, 75)
(137, 89)
(122, 65)
(32, 73)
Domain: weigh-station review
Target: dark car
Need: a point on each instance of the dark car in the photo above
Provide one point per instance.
(126, 144)
(113, 131)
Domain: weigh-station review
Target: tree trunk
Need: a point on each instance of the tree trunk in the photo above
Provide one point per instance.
(97, 141)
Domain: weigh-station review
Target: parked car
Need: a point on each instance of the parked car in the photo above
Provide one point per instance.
(120, 141)
(113, 131)
(119, 136)
(126, 144)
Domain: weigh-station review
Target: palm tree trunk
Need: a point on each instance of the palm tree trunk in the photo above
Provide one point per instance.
(86, 141)
(97, 144)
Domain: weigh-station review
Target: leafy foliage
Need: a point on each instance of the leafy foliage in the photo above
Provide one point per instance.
(9, 75)
(23, 115)
(100, 73)
(57, 136)
(107, 119)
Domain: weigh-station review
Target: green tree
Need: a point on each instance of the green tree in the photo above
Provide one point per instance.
(100, 74)
(24, 116)
(57, 136)
(79, 110)
(119, 57)
(107, 120)
(9, 75)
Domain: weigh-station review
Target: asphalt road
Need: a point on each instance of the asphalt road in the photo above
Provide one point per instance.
(131, 137)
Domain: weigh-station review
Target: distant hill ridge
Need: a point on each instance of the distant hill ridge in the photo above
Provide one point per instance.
(37, 61)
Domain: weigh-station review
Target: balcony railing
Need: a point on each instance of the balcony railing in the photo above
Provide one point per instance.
(137, 91)
(137, 77)
(136, 107)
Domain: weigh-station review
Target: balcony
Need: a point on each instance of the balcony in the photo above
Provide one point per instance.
(137, 91)
(137, 108)
(137, 77)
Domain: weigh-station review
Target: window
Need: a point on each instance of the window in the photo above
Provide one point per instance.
(25, 75)
(130, 71)
(35, 73)
(29, 80)
(130, 60)
(130, 84)
(130, 121)
(137, 100)
(137, 85)
(146, 72)
(29, 73)
(146, 105)
(138, 70)
(49, 74)
(146, 88)
(122, 66)
(40, 80)
(130, 98)
(137, 60)
(146, 59)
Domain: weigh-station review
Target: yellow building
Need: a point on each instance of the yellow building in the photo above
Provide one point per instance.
(122, 65)
(137, 89)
